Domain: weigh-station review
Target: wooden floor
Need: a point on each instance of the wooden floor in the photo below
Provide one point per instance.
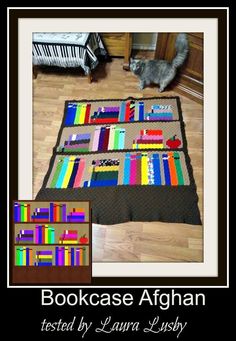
(129, 242)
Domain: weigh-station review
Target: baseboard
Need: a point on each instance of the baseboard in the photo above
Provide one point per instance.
(150, 47)
(189, 87)
(192, 94)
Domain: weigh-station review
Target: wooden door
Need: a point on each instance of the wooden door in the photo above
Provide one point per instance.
(189, 81)
(118, 45)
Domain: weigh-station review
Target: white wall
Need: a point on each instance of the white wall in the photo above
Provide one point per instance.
(144, 41)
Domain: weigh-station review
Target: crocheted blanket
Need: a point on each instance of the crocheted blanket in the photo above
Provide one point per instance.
(128, 156)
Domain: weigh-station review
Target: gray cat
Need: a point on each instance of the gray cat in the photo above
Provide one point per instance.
(160, 71)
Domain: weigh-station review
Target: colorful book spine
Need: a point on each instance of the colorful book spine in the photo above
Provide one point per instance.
(57, 172)
(79, 174)
(70, 114)
(74, 173)
(126, 175)
(108, 138)
(111, 138)
(40, 214)
(51, 212)
(63, 219)
(19, 258)
(63, 256)
(131, 111)
(138, 168)
(87, 113)
(70, 256)
(173, 173)
(142, 169)
(105, 120)
(21, 212)
(141, 111)
(132, 179)
(44, 258)
(149, 139)
(78, 257)
(162, 116)
(16, 212)
(122, 112)
(40, 235)
(172, 169)
(101, 138)
(70, 174)
(121, 144)
(105, 115)
(84, 256)
(62, 172)
(103, 173)
(25, 236)
(151, 180)
(77, 113)
(66, 256)
(127, 106)
(116, 139)
(166, 169)
(96, 139)
(76, 217)
(69, 237)
(24, 256)
(51, 235)
(56, 256)
(36, 239)
(76, 143)
(24, 212)
(81, 255)
(178, 169)
(136, 112)
(44, 234)
(82, 114)
(157, 169)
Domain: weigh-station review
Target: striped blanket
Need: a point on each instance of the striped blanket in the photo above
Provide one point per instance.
(68, 49)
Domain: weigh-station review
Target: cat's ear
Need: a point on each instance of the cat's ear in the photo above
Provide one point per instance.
(131, 60)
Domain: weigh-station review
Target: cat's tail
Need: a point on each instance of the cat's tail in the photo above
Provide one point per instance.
(182, 48)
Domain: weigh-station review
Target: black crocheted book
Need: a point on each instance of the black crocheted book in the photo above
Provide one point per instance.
(128, 156)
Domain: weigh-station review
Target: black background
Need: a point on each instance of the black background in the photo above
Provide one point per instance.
(26, 313)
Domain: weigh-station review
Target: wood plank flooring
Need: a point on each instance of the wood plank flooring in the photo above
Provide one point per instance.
(132, 241)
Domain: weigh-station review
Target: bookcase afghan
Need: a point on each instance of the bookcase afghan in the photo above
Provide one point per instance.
(51, 242)
(128, 157)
